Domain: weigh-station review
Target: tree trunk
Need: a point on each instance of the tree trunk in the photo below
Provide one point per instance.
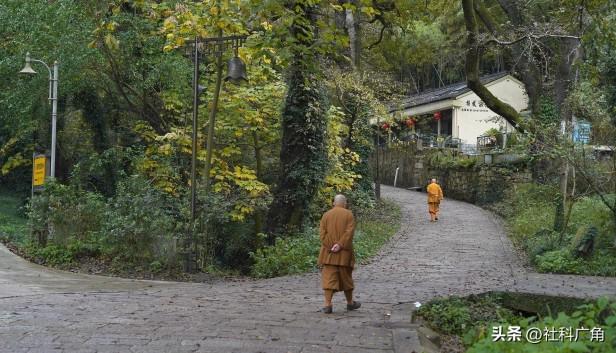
(569, 52)
(303, 154)
(354, 30)
(259, 216)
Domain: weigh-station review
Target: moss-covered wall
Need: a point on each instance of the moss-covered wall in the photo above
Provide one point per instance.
(462, 179)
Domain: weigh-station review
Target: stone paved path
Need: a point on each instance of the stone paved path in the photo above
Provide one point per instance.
(43, 310)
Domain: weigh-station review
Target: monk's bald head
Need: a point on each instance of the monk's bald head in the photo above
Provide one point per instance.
(433, 180)
(340, 200)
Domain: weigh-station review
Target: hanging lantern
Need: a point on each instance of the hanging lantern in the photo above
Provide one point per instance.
(410, 121)
(437, 116)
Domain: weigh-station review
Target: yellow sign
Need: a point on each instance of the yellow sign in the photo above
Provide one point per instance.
(38, 170)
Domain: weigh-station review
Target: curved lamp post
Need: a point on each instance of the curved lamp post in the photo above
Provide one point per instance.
(53, 98)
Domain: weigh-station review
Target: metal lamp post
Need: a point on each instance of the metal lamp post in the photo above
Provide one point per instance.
(53, 98)
(236, 73)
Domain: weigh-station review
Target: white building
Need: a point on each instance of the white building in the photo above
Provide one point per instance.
(463, 114)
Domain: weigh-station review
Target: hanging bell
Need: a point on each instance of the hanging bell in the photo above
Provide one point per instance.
(236, 70)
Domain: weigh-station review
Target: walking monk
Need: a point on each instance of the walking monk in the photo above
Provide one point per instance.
(336, 257)
(435, 195)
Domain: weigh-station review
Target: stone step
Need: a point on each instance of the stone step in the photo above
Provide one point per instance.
(429, 340)
(406, 341)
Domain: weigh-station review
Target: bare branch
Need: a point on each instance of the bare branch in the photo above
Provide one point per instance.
(380, 38)
(530, 36)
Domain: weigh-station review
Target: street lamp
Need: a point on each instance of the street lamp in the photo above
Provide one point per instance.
(236, 73)
(53, 97)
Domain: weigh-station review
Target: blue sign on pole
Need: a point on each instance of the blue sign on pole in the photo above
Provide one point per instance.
(581, 132)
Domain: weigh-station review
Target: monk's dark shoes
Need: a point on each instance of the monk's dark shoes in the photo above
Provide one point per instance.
(354, 306)
(327, 309)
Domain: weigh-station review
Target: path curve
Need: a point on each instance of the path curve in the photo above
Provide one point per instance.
(43, 310)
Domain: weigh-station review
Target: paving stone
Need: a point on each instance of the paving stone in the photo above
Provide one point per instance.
(43, 310)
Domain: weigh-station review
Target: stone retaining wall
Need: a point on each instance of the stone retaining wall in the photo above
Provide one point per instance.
(479, 184)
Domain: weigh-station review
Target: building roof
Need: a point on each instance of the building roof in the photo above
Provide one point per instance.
(443, 93)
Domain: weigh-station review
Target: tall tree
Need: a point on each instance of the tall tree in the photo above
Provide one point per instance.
(303, 156)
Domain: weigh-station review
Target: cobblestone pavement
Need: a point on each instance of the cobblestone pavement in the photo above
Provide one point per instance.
(42, 310)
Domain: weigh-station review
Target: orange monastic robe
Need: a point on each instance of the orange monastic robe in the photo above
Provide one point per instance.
(337, 226)
(435, 195)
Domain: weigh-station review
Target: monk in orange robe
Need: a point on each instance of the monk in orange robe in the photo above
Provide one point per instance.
(435, 195)
(336, 256)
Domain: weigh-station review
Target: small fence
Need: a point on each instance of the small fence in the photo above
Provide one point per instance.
(497, 142)
(431, 140)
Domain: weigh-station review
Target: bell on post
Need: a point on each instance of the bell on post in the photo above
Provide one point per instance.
(236, 70)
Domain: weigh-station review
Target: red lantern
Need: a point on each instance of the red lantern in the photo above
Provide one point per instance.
(385, 126)
(410, 121)
(437, 116)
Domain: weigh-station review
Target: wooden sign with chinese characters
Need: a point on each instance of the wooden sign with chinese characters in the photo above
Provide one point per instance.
(38, 170)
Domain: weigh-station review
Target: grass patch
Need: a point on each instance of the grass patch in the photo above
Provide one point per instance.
(298, 254)
(13, 224)
(459, 315)
(466, 325)
(530, 213)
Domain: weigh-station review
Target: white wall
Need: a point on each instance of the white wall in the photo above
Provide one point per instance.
(473, 120)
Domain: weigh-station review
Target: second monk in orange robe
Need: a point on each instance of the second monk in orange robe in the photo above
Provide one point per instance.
(435, 195)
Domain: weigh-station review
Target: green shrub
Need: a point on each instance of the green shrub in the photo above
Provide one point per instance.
(541, 242)
(444, 159)
(529, 211)
(80, 249)
(599, 314)
(468, 315)
(291, 255)
(140, 223)
(13, 225)
(61, 213)
(450, 316)
(582, 244)
(557, 261)
(52, 255)
(374, 228)
(156, 266)
(590, 211)
(297, 254)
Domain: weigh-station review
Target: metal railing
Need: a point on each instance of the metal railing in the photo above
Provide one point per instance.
(497, 142)
(433, 140)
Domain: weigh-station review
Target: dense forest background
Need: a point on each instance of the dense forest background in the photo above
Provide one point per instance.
(295, 134)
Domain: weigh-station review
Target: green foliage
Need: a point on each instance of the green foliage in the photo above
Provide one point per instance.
(450, 315)
(139, 223)
(52, 255)
(445, 159)
(299, 253)
(556, 261)
(303, 154)
(291, 255)
(352, 95)
(61, 255)
(13, 224)
(601, 314)
(548, 114)
(458, 316)
(583, 242)
(375, 227)
(63, 213)
(529, 211)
